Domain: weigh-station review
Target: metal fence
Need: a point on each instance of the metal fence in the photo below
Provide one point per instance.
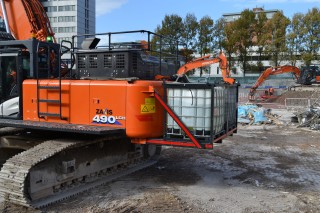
(299, 103)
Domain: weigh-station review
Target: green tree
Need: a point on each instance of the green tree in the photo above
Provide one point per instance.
(229, 41)
(219, 34)
(189, 32)
(244, 30)
(277, 48)
(224, 39)
(295, 37)
(171, 28)
(204, 44)
(311, 35)
(262, 37)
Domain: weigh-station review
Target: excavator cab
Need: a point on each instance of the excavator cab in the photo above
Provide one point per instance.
(306, 76)
(309, 75)
(20, 60)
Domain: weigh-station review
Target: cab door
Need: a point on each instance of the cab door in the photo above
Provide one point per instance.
(9, 85)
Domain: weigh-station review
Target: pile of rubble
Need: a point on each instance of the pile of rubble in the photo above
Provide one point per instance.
(309, 118)
(256, 114)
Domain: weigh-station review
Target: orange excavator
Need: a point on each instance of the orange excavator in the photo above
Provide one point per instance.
(108, 118)
(202, 62)
(206, 61)
(303, 77)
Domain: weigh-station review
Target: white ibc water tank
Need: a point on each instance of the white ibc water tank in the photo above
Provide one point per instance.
(202, 107)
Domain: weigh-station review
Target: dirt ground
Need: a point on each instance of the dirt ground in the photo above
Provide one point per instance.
(260, 169)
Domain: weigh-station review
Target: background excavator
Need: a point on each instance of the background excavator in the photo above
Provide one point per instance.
(303, 77)
(199, 63)
(206, 61)
(108, 117)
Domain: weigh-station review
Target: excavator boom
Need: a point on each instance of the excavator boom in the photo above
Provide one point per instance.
(206, 61)
(25, 19)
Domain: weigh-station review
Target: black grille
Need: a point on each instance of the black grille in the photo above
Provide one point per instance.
(120, 61)
(107, 62)
(135, 61)
(81, 61)
(93, 61)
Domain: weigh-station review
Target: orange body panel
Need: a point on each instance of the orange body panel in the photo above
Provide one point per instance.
(103, 103)
(144, 114)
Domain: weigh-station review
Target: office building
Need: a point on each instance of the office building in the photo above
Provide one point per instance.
(230, 17)
(71, 17)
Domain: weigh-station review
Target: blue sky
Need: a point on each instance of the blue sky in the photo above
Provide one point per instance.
(123, 15)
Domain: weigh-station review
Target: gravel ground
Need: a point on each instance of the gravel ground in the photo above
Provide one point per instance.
(260, 169)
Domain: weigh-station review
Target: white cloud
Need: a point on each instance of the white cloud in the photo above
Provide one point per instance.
(106, 6)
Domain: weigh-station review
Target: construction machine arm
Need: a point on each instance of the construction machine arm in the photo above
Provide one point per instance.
(205, 61)
(26, 18)
(273, 71)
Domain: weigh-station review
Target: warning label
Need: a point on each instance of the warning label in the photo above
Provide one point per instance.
(148, 108)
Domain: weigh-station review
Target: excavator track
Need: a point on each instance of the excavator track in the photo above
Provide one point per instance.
(58, 169)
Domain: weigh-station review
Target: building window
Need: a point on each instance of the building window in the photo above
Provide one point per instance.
(86, 24)
(67, 8)
(86, 13)
(67, 19)
(66, 29)
(52, 19)
(51, 9)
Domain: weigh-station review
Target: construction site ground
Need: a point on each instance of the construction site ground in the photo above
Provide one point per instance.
(262, 168)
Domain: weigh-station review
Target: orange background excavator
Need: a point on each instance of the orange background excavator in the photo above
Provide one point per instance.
(26, 19)
(206, 61)
(303, 77)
